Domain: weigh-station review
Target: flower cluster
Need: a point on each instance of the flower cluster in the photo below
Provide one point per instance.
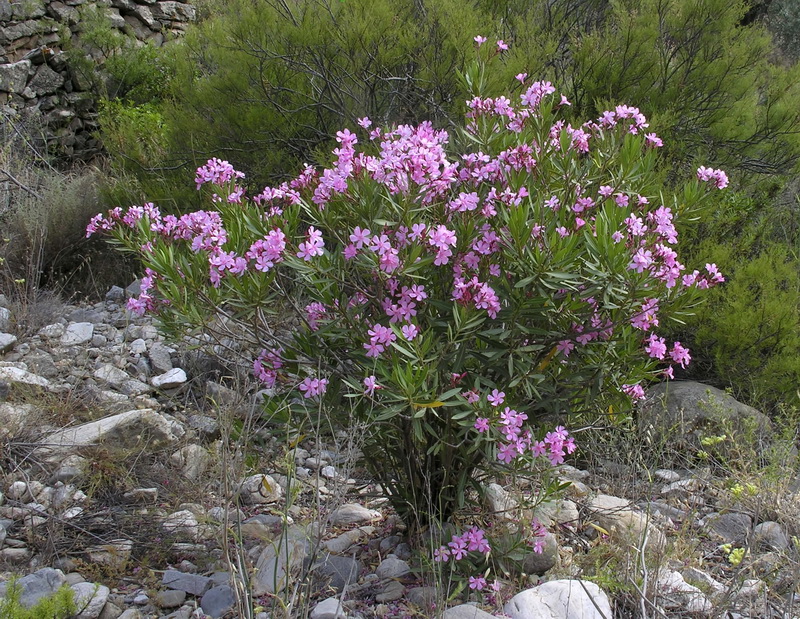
(266, 366)
(718, 176)
(216, 172)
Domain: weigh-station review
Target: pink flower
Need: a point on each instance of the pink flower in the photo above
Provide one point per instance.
(481, 424)
(311, 387)
(409, 332)
(471, 396)
(501, 46)
(680, 354)
(521, 77)
(480, 40)
(365, 122)
(441, 554)
(635, 392)
(496, 398)
(370, 385)
(477, 583)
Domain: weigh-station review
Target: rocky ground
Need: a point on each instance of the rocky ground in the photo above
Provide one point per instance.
(140, 474)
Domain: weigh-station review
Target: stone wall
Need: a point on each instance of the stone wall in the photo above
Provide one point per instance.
(39, 41)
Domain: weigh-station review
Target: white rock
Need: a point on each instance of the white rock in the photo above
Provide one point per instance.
(260, 488)
(90, 599)
(616, 516)
(329, 609)
(111, 375)
(677, 594)
(126, 430)
(328, 472)
(52, 331)
(77, 333)
(138, 347)
(18, 491)
(193, 459)
(353, 513)
(500, 502)
(14, 374)
(169, 380)
(560, 599)
(185, 522)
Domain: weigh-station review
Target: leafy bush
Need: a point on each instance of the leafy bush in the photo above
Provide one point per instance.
(267, 84)
(436, 292)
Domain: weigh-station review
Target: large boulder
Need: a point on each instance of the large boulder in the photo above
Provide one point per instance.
(130, 430)
(560, 599)
(683, 412)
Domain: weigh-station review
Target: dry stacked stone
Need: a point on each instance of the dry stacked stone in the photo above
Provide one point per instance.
(37, 75)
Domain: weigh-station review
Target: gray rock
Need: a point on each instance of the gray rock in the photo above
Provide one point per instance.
(5, 318)
(52, 331)
(160, 358)
(341, 543)
(539, 563)
(218, 600)
(205, 425)
(34, 587)
(131, 613)
(173, 11)
(116, 553)
(7, 342)
(133, 388)
(279, 559)
(424, 598)
(702, 579)
(336, 572)
(90, 598)
(500, 502)
(193, 459)
(352, 513)
(616, 516)
(392, 567)
(732, 527)
(172, 598)
(193, 584)
(46, 81)
(682, 412)
(260, 488)
(560, 599)
(111, 375)
(14, 76)
(466, 611)
(169, 380)
(31, 9)
(264, 527)
(770, 535)
(393, 590)
(126, 430)
(184, 522)
(42, 363)
(330, 608)
(137, 347)
(115, 294)
(77, 333)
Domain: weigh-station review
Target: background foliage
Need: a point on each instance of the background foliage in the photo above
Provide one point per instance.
(266, 84)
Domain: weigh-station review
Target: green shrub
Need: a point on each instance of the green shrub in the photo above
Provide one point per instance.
(504, 267)
(59, 605)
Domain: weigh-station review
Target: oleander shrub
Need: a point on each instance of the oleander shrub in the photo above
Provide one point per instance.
(450, 290)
